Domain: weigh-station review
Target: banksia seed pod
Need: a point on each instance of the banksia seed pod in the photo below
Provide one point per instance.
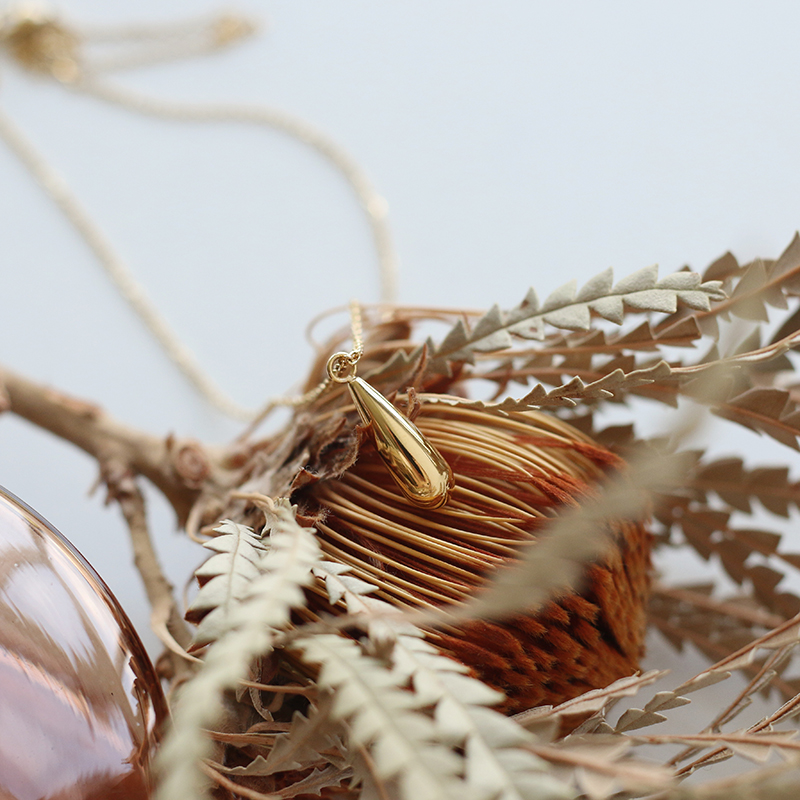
(512, 473)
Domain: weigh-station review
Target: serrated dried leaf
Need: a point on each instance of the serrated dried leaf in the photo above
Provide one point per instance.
(610, 308)
(490, 740)
(728, 479)
(635, 718)
(599, 768)
(381, 714)
(663, 701)
(298, 747)
(703, 680)
(593, 701)
(569, 309)
(568, 394)
(250, 632)
(638, 281)
(597, 287)
(769, 411)
(225, 578)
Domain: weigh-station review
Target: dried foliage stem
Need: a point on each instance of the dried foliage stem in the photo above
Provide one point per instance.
(167, 619)
(745, 654)
(762, 725)
(730, 711)
(755, 616)
(119, 449)
(227, 783)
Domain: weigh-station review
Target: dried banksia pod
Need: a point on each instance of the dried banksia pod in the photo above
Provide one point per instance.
(512, 474)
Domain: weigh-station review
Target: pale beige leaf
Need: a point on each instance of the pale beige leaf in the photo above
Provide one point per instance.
(638, 281)
(592, 701)
(635, 718)
(383, 715)
(250, 632)
(597, 287)
(569, 309)
(225, 578)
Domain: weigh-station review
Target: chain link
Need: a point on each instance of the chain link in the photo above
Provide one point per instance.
(341, 366)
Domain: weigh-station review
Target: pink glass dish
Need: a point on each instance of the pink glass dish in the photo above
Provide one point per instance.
(81, 707)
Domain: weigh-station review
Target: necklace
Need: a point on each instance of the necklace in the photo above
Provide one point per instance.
(417, 467)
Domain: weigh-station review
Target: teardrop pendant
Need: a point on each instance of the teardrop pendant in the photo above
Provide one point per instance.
(424, 477)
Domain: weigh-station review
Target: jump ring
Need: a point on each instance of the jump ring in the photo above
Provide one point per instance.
(341, 368)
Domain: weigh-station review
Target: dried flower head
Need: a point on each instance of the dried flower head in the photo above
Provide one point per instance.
(512, 474)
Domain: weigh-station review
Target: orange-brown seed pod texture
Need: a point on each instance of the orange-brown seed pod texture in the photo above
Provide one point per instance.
(512, 474)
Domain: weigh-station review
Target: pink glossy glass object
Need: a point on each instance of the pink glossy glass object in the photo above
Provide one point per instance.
(81, 707)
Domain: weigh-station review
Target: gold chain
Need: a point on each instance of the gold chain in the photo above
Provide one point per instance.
(61, 54)
(341, 366)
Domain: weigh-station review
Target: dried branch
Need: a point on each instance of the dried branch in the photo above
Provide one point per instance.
(177, 468)
(166, 619)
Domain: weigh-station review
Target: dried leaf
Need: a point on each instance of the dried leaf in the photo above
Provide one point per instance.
(736, 485)
(599, 767)
(297, 748)
(225, 579)
(458, 700)
(381, 714)
(251, 631)
(568, 309)
(590, 702)
(769, 411)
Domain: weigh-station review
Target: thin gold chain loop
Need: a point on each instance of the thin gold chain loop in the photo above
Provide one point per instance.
(357, 330)
(62, 56)
(341, 367)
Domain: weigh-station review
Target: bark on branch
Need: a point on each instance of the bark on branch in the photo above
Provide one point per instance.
(178, 468)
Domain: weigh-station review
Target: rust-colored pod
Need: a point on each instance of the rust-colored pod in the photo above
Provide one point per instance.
(80, 704)
(512, 473)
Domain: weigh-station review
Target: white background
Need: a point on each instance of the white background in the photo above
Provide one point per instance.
(516, 142)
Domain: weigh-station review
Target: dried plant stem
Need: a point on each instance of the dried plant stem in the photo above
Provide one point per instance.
(707, 739)
(761, 725)
(118, 448)
(167, 619)
(753, 616)
(785, 626)
(282, 688)
(711, 648)
(730, 711)
(237, 788)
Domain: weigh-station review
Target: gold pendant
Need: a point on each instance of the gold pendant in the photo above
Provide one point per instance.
(418, 468)
(423, 476)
